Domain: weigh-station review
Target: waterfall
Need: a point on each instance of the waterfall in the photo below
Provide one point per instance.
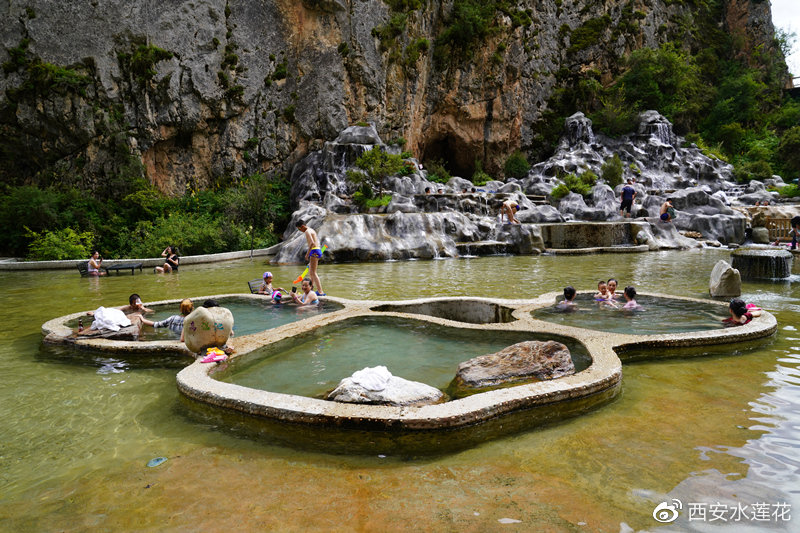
(762, 263)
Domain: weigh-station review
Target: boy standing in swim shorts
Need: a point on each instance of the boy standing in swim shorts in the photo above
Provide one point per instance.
(313, 255)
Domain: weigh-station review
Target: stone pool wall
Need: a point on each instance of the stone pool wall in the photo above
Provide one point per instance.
(587, 388)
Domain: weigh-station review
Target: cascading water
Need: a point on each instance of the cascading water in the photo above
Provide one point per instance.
(762, 263)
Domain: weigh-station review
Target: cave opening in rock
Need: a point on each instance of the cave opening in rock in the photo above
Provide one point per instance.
(456, 156)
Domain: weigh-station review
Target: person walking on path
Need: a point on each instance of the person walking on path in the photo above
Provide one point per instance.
(626, 199)
(313, 255)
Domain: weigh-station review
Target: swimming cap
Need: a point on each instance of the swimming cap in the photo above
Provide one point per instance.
(277, 295)
(267, 274)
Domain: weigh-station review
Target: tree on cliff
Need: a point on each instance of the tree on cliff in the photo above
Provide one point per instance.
(375, 165)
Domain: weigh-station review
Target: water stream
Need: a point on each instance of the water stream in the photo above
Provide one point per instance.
(77, 432)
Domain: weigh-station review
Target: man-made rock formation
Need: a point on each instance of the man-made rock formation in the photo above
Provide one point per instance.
(524, 360)
(377, 385)
(656, 159)
(206, 327)
(725, 282)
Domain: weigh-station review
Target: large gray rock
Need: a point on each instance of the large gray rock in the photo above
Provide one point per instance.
(760, 235)
(725, 281)
(525, 360)
(377, 385)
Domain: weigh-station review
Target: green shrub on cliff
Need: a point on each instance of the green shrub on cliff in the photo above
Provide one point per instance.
(375, 165)
(516, 166)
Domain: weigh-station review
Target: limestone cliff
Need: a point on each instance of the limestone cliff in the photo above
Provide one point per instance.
(189, 92)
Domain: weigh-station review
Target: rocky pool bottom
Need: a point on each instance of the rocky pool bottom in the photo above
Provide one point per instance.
(79, 432)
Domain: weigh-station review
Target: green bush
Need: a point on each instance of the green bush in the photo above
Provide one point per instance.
(516, 166)
(579, 184)
(437, 172)
(376, 165)
(611, 171)
(479, 177)
(559, 192)
(789, 191)
(59, 244)
(789, 150)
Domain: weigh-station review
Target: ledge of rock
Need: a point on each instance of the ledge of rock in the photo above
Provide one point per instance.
(525, 360)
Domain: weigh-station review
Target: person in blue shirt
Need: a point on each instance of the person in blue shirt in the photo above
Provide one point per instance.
(626, 199)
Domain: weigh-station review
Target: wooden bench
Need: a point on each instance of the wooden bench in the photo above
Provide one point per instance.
(254, 285)
(83, 268)
(779, 229)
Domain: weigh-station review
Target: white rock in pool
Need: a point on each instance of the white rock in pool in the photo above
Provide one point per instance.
(376, 385)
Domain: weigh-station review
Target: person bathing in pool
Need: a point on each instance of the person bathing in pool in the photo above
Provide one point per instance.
(603, 297)
(307, 296)
(568, 305)
(741, 313)
(630, 300)
(269, 290)
(611, 285)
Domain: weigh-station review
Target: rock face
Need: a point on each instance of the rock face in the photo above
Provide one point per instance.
(725, 282)
(241, 87)
(530, 359)
(377, 385)
(206, 327)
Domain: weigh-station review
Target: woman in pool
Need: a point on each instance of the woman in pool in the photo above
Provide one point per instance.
(172, 262)
(741, 313)
(174, 322)
(630, 300)
(611, 285)
(307, 296)
(603, 297)
(95, 264)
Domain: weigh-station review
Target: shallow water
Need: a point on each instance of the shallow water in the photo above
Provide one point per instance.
(414, 350)
(77, 433)
(656, 316)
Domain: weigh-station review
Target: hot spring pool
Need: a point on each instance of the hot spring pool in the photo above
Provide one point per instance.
(313, 364)
(250, 315)
(660, 315)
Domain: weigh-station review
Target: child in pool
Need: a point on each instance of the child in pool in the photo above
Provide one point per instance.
(630, 300)
(603, 297)
(741, 313)
(266, 288)
(567, 305)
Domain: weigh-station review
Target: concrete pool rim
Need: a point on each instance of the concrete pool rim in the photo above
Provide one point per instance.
(606, 350)
(604, 372)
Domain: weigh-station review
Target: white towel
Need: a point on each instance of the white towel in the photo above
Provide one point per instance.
(110, 318)
(375, 378)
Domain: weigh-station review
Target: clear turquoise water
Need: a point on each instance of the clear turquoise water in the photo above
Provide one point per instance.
(250, 316)
(657, 316)
(77, 432)
(413, 350)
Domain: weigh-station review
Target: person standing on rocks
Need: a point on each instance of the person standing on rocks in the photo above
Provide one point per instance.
(626, 199)
(313, 255)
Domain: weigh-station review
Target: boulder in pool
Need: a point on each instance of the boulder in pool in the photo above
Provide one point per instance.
(524, 360)
(377, 385)
(206, 327)
(725, 280)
